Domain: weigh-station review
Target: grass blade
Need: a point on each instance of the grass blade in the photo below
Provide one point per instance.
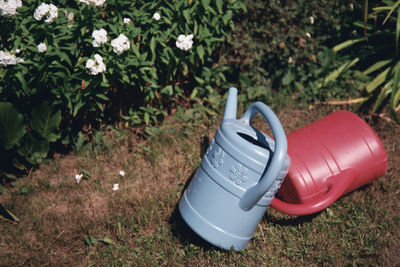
(365, 16)
(346, 44)
(377, 81)
(382, 95)
(377, 66)
(392, 8)
(397, 31)
(336, 73)
(395, 97)
(7, 215)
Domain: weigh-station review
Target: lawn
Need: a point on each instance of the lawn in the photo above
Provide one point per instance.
(63, 222)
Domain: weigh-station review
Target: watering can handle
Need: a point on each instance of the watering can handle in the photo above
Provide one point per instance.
(336, 188)
(278, 157)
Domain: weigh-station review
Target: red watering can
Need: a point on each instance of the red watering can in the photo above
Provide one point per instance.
(329, 158)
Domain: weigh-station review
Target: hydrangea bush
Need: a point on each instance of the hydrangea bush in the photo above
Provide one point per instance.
(67, 66)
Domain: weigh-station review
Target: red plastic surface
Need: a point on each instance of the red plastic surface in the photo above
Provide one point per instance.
(329, 158)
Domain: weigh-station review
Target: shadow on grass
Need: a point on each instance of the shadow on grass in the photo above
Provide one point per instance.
(295, 221)
(183, 232)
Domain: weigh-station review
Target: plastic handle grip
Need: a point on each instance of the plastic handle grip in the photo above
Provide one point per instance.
(254, 193)
(337, 186)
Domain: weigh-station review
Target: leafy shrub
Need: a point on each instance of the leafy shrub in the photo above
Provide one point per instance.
(379, 44)
(59, 78)
(283, 45)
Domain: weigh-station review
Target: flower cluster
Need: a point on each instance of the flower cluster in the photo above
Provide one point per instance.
(7, 59)
(184, 42)
(100, 37)
(120, 44)
(93, 2)
(9, 8)
(42, 47)
(48, 10)
(96, 66)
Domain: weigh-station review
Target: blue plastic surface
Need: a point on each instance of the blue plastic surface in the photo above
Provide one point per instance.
(238, 177)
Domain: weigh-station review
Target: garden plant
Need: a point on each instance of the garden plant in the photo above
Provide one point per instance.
(68, 66)
(107, 108)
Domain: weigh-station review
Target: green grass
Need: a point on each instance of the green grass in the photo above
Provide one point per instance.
(87, 224)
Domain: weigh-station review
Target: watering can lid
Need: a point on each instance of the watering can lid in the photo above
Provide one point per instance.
(246, 143)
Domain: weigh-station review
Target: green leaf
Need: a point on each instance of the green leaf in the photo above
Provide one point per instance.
(219, 5)
(153, 48)
(377, 66)
(392, 8)
(102, 96)
(12, 126)
(45, 121)
(346, 44)
(397, 31)
(395, 97)
(146, 118)
(288, 78)
(200, 52)
(22, 80)
(382, 95)
(91, 241)
(108, 241)
(34, 149)
(379, 79)
(336, 73)
(205, 3)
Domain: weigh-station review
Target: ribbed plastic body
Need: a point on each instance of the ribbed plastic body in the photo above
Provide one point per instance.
(338, 153)
(237, 179)
(232, 164)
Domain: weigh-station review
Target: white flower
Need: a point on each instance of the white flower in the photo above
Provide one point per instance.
(9, 8)
(42, 47)
(70, 16)
(122, 173)
(78, 177)
(184, 42)
(120, 44)
(100, 37)
(51, 11)
(7, 59)
(290, 60)
(115, 187)
(157, 16)
(311, 20)
(308, 34)
(17, 51)
(127, 20)
(93, 2)
(351, 6)
(96, 66)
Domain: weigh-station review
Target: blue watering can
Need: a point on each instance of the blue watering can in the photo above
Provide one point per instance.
(238, 177)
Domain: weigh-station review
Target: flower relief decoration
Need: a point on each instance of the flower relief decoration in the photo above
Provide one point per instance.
(238, 174)
(210, 147)
(218, 157)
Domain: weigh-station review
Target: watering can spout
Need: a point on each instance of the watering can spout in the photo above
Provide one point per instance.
(231, 104)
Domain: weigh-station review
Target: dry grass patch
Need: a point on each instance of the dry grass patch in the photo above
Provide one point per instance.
(88, 224)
